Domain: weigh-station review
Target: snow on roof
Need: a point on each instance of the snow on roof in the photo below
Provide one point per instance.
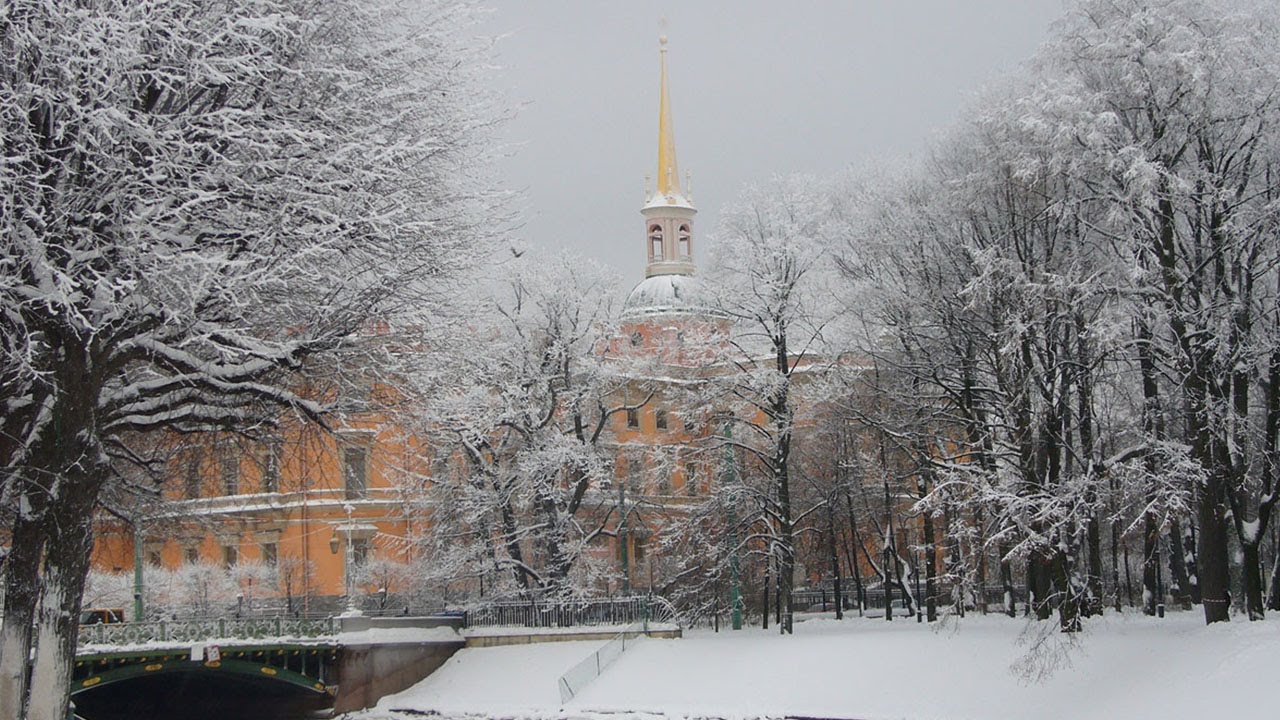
(667, 294)
(667, 200)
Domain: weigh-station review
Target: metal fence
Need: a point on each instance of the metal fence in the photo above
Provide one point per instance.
(822, 599)
(186, 631)
(572, 613)
(314, 607)
(590, 667)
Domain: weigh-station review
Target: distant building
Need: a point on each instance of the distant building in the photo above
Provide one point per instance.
(294, 509)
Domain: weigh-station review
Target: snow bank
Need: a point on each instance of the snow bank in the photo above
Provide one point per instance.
(1121, 667)
(507, 680)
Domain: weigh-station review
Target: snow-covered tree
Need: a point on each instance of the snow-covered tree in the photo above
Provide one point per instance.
(517, 499)
(1174, 108)
(201, 201)
(768, 270)
(1074, 303)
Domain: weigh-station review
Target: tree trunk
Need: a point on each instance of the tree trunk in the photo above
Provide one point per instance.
(1180, 589)
(1006, 581)
(908, 598)
(1190, 549)
(930, 570)
(22, 595)
(983, 554)
(836, 585)
(854, 562)
(1273, 593)
(886, 581)
(1084, 409)
(511, 539)
(1068, 602)
(1212, 565)
(1212, 560)
(768, 567)
(1128, 577)
(1040, 581)
(1115, 550)
(66, 565)
(1253, 580)
(60, 519)
(786, 560)
(1150, 564)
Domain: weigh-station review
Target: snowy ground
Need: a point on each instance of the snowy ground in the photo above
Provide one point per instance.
(1122, 667)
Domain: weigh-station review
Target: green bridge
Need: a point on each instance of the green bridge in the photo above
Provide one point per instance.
(251, 668)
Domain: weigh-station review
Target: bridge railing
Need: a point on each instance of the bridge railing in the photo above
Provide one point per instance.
(572, 613)
(185, 631)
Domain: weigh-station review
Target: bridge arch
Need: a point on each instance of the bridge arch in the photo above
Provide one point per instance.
(257, 671)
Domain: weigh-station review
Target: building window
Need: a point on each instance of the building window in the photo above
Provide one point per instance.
(354, 471)
(660, 417)
(664, 482)
(230, 470)
(154, 559)
(636, 339)
(690, 479)
(191, 555)
(684, 239)
(270, 554)
(655, 242)
(230, 556)
(192, 478)
(271, 468)
(633, 418)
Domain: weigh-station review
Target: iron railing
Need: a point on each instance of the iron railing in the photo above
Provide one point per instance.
(992, 595)
(198, 630)
(572, 613)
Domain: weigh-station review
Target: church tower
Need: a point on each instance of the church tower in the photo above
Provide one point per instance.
(668, 210)
(669, 286)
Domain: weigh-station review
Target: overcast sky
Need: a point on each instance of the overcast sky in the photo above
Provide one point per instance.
(758, 87)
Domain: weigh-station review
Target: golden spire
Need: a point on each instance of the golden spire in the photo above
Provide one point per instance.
(668, 171)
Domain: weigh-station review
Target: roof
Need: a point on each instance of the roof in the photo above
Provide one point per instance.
(663, 294)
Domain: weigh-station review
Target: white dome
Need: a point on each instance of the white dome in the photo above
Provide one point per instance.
(662, 294)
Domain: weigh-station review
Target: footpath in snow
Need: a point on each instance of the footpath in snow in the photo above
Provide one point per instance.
(1128, 667)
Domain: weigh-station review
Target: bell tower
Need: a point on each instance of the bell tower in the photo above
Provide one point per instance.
(668, 209)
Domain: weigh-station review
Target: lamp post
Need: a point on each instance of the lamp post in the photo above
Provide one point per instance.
(137, 572)
(622, 536)
(350, 566)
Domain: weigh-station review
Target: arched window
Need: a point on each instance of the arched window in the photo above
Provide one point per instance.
(684, 239)
(655, 242)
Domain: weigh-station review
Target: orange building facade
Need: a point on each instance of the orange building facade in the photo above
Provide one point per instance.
(292, 518)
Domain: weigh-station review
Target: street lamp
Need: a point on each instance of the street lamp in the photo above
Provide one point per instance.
(137, 572)
(350, 574)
